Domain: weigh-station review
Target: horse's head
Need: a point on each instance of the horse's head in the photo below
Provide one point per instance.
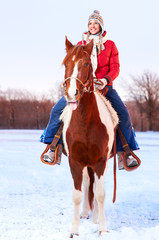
(78, 72)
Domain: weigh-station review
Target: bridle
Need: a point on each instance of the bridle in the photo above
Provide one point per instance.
(84, 85)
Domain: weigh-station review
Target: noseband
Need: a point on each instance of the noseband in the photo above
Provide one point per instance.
(84, 85)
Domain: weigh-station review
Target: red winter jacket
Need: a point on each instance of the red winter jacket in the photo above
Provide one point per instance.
(108, 61)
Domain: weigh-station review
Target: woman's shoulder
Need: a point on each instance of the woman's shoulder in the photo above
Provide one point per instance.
(80, 43)
(109, 43)
(105, 36)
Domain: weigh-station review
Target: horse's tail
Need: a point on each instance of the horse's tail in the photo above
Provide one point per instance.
(91, 193)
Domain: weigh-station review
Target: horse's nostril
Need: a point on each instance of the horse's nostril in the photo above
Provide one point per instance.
(76, 92)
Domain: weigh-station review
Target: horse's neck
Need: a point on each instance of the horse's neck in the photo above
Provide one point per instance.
(87, 101)
(95, 103)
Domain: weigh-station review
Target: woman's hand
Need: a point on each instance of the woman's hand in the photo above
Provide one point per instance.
(99, 84)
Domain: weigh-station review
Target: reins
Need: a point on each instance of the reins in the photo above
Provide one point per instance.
(128, 152)
(114, 153)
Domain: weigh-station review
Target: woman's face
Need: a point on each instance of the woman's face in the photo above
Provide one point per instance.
(93, 27)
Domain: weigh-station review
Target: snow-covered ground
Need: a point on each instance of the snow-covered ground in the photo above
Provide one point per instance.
(36, 199)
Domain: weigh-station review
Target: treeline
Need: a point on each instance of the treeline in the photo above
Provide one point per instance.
(32, 113)
(19, 110)
(140, 120)
(22, 110)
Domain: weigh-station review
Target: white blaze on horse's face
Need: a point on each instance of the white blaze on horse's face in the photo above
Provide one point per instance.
(72, 89)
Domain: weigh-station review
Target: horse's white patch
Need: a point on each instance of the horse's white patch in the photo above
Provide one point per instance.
(67, 112)
(73, 58)
(113, 113)
(66, 118)
(72, 88)
(100, 196)
(106, 119)
(86, 183)
(77, 198)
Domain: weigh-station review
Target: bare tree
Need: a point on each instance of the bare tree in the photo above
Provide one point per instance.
(57, 93)
(145, 92)
(21, 109)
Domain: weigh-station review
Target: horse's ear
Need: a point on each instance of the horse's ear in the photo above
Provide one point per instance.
(68, 44)
(88, 48)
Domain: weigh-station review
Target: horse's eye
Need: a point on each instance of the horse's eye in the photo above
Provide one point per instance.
(86, 64)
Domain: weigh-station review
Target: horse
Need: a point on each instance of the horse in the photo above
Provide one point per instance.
(88, 134)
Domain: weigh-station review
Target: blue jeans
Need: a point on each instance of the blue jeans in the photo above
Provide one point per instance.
(54, 122)
(124, 121)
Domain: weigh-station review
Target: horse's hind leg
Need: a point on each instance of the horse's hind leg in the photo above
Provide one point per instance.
(95, 214)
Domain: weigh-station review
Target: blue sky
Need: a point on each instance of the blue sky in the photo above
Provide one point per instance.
(32, 38)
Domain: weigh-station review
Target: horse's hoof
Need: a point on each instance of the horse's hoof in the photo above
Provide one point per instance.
(73, 234)
(103, 232)
(95, 221)
(84, 217)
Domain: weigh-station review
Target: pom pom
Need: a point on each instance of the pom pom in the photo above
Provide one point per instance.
(97, 12)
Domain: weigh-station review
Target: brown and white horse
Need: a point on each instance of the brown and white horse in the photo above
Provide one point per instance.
(88, 134)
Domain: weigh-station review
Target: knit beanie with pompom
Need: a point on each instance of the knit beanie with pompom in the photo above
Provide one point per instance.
(97, 17)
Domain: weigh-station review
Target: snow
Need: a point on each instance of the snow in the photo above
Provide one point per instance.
(36, 199)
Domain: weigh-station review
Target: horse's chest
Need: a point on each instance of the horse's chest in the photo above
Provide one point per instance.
(85, 135)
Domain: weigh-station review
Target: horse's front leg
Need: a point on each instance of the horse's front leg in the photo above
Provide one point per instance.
(100, 196)
(86, 206)
(77, 198)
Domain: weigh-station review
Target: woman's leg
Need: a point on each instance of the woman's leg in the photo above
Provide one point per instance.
(124, 120)
(54, 122)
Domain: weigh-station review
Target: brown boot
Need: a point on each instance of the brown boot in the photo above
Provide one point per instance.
(131, 162)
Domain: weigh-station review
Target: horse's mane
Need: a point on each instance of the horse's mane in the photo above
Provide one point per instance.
(76, 51)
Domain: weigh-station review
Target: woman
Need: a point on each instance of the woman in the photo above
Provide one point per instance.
(105, 62)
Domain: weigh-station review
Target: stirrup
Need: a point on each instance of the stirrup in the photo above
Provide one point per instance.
(123, 163)
(58, 153)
